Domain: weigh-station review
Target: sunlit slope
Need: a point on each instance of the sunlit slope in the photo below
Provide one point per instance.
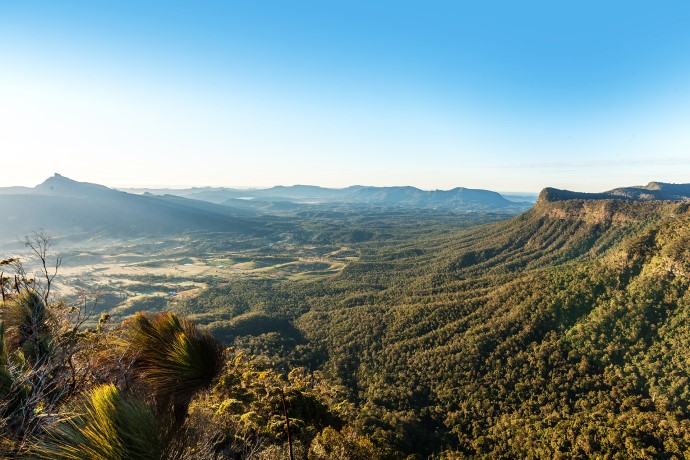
(564, 329)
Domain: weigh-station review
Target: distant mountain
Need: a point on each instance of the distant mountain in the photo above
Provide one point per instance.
(64, 206)
(62, 186)
(406, 196)
(67, 207)
(653, 191)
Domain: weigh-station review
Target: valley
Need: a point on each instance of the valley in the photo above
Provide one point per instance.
(130, 276)
(130, 253)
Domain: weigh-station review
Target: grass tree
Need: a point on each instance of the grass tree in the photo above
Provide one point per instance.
(172, 358)
(109, 425)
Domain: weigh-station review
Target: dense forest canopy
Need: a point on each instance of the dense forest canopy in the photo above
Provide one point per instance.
(561, 328)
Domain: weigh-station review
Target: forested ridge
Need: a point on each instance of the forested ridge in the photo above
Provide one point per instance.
(560, 332)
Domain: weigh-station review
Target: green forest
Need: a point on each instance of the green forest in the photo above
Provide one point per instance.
(559, 333)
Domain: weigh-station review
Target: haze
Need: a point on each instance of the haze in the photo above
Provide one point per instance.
(497, 95)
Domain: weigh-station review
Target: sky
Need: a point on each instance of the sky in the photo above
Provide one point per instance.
(501, 95)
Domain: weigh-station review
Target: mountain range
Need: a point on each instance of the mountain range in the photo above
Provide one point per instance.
(64, 206)
(404, 196)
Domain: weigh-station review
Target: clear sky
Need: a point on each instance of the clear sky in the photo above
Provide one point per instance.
(510, 96)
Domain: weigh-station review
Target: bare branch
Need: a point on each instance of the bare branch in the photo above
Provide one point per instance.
(40, 244)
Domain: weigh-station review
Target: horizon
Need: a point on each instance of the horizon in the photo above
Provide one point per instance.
(261, 187)
(500, 96)
(251, 187)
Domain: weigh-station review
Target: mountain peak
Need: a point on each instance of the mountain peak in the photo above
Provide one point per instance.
(655, 186)
(60, 185)
(58, 178)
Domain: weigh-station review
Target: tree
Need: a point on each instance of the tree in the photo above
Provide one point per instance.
(39, 340)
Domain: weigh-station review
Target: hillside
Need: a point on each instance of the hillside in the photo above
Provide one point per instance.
(558, 333)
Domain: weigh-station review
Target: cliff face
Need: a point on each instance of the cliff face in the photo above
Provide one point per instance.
(607, 211)
(654, 191)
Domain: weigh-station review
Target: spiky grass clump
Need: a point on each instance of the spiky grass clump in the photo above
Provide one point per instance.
(173, 358)
(5, 375)
(26, 317)
(24, 309)
(108, 425)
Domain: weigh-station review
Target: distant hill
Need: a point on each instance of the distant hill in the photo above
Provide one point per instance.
(651, 192)
(520, 196)
(64, 206)
(404, 196)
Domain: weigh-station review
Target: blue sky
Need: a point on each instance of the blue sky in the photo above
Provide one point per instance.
(500, 95)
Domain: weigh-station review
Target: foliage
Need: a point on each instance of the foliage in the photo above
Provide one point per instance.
(243, 415)
(107, 425)
(26, 318)
(38, 343)
(172, 357)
